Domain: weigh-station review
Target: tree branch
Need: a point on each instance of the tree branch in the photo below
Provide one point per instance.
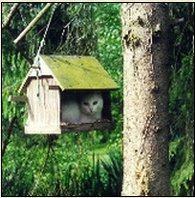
(10, 15)
(177, 21)
(32, 23)
(8, 134)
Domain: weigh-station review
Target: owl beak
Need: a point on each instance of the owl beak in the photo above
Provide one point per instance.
(90, 109)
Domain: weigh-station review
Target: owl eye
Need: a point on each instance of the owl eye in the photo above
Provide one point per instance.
(85, 103)
(94, 103)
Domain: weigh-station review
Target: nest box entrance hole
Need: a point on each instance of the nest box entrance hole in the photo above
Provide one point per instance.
(70, 101)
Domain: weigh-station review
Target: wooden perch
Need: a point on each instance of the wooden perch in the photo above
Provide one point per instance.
(18, 98)
(10, 15)
(98, 125)
(32, 23)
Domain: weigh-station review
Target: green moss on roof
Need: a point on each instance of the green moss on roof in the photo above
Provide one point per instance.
(78, 72)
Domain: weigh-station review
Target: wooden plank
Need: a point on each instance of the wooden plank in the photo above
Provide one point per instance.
(98, 125)
(53, 104)
(44, 117)
(42, 130)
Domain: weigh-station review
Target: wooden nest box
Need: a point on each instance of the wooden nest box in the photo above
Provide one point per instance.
(47, 85)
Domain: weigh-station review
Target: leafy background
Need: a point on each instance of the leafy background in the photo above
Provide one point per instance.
(88, 163)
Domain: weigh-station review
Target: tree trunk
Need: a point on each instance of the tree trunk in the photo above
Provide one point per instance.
(145, 141)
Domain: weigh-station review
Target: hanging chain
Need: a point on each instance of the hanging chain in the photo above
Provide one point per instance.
(36, 63)
(42, 43)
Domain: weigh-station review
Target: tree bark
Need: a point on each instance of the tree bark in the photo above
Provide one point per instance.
(145, 141)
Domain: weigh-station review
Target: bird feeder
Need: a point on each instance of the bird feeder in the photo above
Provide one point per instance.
(46, 84)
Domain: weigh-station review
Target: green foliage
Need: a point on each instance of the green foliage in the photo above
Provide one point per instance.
(181, 103)
(182, 135)
(11, 80)
(63, 170)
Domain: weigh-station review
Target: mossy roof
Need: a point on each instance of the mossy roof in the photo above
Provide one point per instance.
(77, 72)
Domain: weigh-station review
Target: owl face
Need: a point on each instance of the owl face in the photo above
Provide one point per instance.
(91, 103)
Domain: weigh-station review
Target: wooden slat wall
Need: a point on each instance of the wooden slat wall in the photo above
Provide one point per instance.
(44, 116)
